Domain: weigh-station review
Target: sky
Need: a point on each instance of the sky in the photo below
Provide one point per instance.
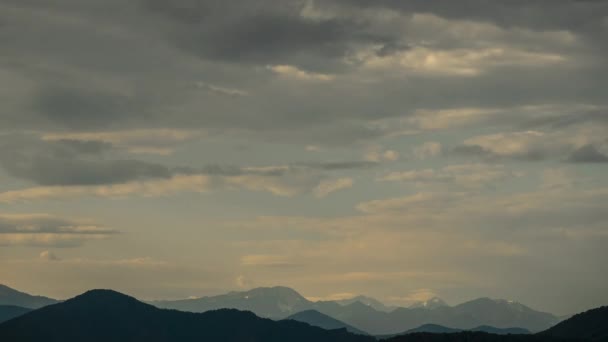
(398, 149)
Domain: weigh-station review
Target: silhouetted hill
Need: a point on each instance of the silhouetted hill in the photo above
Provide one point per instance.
(104, 315)
(317, 319)
(9, 312)
(439, 329)
(473, 336)
(501, 331)
(592, 324)
(9, 296)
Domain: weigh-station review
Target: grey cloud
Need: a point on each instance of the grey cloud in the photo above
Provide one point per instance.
(43, 224)
(91, 147)
(47, 230)
(76, 162)
(345, 165)
(487, 155)
(49, 171)
(69, 162)
(79, 108)
(541, 14)
(598, 116)
(587, 154)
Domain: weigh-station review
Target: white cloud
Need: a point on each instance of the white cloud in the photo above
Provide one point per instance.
(266, 260)
(427, 150)
(222, 90)
(461, 62)
(415, 296)
(313, 148)
(292, 72)
(292, 184)
(465, 175)
(333, 297)
(447, 118)
(537, 144)
(244, 282)
(377, 153)
(48, 256)
(474, 47)
(326, 187)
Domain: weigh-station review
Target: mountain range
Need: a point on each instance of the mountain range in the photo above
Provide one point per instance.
(363, 314)
(106, 315)
(371, 315)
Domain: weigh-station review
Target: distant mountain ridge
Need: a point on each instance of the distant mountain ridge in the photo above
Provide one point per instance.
(281, 302)
(369, 301)
(105, 315)
(9, 296)
(272, 302)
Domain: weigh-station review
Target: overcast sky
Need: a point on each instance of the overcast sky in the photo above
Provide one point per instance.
(399, 149)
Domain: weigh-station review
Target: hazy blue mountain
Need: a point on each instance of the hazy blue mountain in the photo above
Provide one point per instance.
(403, 319)
(9, 296)
(271, 302)
(281, 302)
(356, 314)
(505, 314)
(104, 315)
(499, 314)
(592, 325)
(315, 318)
(369, 301)
(433, 328)
(9, 312)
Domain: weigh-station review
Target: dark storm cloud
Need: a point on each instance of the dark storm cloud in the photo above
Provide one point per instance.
(265, 32)
(139, 66)
(587, 154)
(543, 14)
